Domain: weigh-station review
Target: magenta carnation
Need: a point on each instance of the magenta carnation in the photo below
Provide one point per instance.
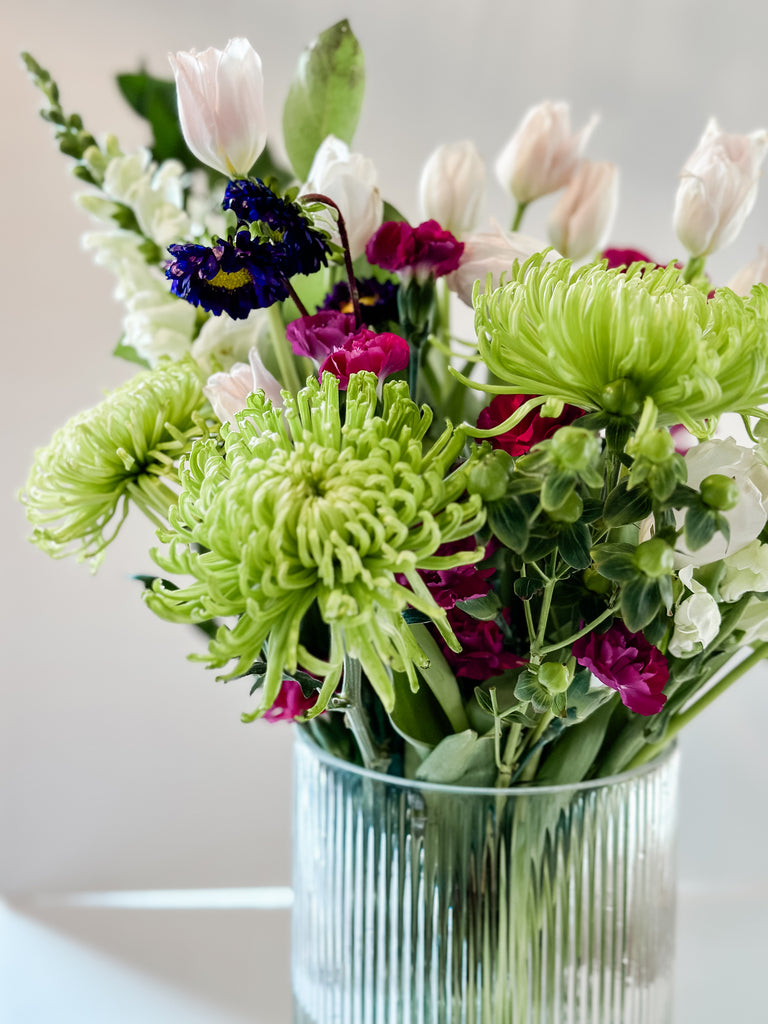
(530, 430)
(290, 703)
(482, 653)
(623, 258)
(382, 354)
(423, 250)
(628, 663)
(320, 333)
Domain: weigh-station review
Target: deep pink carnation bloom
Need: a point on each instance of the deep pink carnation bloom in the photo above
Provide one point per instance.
(320, 333)
(530, 430)
(382, 354)
(482, 654)
(423, 250)
(289, 703)
(462, 583)
(623, 258)
(628, 663)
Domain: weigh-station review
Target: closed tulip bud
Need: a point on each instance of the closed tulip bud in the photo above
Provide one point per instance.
(228, 392)
(491, 252)
(583, 216)
(718, 188)
(221, 105)
(452, 187)
(754, 273)
(543, 154)
(350, 180)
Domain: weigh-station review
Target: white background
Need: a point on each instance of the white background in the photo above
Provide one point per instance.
(122, 764)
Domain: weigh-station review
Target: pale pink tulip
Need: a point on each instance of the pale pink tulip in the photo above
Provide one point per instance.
(228, 392)
(583, 217)
(754, 273)
(221, 105)
(452, 187)
(718, 188)
(543, 154)
(491, 252)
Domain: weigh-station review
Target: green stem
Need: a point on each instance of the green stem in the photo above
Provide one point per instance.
(519, 211)
(682, 719)
(582, 632)
(546, 604)
(528, 613)
(510, 754)
(693, 268)
(440, 679)
(286, 366)
(356, 719)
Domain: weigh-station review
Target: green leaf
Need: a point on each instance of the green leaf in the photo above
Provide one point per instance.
(700, 526)
(526, 587)
(640, 601)
(557, 487)
(574, 753)
(574, 543)
(483, 608)
(325, 97)
(463, 758)
(623, 507)
(129, 353)
(417, 716)
(509, 523)
(614, 561)
(154, 99)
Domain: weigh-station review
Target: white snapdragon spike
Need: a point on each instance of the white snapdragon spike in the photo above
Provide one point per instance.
(228, 392)
(583, 217)
(543, 154)
(745, 571)
(747, 519)
(452, 187)
(222, 341)
(351, 181)
(753, 273)
(157, 325)
(491, 252)
(718, 188)
(697, 619)
(221, 105)
(754, 622)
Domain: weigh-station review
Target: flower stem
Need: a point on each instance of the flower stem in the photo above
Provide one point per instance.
(693, 268)
(519, 211)
(356, 719)
(440, 679)
(684, 717)
(285, 363)
(318, 197)
(582, 632)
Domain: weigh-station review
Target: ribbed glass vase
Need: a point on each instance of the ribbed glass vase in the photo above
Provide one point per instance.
(418, 903)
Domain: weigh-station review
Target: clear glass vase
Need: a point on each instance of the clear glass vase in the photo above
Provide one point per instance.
(443, 904)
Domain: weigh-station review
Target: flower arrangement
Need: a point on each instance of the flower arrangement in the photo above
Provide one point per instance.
(527, 556)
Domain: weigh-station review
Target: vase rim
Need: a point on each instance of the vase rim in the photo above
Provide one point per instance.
(486, 791)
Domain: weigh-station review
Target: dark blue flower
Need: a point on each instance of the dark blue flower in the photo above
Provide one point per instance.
(378, 300)
(232, 277)
(299, 248)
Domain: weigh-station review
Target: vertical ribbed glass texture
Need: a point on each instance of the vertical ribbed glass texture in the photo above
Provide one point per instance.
(425, 904)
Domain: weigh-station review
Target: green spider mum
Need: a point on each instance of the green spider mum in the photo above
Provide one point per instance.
(607, 340)
(124, 449)
(297, 509)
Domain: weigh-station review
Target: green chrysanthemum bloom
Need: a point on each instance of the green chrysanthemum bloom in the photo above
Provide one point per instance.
(607, 340)
(298, 508)
(124, 449)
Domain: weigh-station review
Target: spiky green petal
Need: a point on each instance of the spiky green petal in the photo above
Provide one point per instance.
(124, 449)
(552, 331)
(299, 507)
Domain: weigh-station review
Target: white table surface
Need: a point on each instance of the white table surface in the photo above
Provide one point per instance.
(222, 957)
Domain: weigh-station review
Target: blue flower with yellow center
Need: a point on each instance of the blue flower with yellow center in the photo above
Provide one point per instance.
(296, 244)
(233, 277)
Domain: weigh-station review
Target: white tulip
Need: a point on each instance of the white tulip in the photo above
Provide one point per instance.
(351, 181)
(718, 188)
(221, 105)
(754, 622)
(582, 218)
(754, 273)
(452, 187)
(543, 154)
(491, 252)
(228, 392)
(222, 341)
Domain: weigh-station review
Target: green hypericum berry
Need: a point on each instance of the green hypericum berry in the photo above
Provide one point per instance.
(574, 448)
(621, 397)
(655, 558)
(570, 511)
(489, 476)
(719, 492)
(554, 677)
